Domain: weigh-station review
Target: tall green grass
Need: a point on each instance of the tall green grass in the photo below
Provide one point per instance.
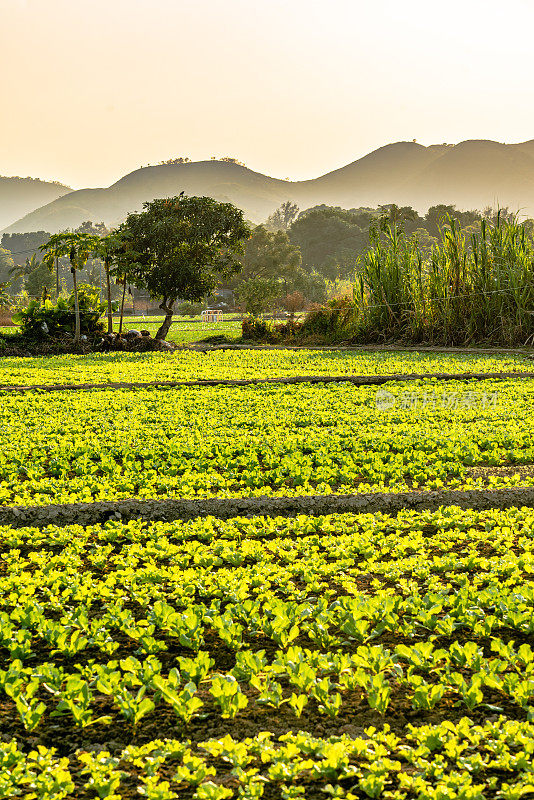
(475, 287)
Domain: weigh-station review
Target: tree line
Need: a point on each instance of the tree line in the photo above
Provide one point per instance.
(177, 247)
(288, 261)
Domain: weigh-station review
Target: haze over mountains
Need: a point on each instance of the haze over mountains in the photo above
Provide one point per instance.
(19, 196)
(472, 174)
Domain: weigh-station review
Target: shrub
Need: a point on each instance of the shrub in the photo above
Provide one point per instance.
(334, 321)
(41, 317)
(263, 331)
(189, 309)
(255, 328)
(257, 295)
(294, 302)
(287, 330)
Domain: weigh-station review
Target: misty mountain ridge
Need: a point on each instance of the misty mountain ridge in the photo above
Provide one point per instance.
(19, 196)
(471, 174)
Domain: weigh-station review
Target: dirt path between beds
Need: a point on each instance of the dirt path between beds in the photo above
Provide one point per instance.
(355, 380)
(167, 510)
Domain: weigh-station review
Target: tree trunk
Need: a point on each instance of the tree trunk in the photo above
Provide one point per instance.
(108, 289)
(122, 306)
(77, 331)
(57, 277)
(165, 326)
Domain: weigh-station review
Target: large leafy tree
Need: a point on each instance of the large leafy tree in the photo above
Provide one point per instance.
(438, 216)
(180, 248)
(269, 255)
(330, 239)
(283, 217)
(404, 216)
(257, 295)
(94, 228)
(77, 247)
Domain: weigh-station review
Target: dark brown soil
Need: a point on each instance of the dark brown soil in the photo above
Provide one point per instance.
(525, 470)
(225, 508)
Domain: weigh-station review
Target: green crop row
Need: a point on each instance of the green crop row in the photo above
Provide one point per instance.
(319, 618)
(190, 365)
(435, 762)
(420, 678)
(262, 440)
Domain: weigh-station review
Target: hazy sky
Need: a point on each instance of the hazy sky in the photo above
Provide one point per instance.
(92, 89)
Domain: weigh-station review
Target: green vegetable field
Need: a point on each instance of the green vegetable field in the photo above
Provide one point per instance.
(188, 365)
(306, 656)
(109, 444)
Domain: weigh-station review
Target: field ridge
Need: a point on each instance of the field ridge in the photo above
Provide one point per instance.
(168, 510)
(356, 380)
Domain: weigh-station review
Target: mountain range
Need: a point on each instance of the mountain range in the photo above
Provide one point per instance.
(471, 174)
(20, 196)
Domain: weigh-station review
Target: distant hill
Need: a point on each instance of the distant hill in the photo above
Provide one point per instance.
(373, 179)
(477, 173)
(19, 196)
(472, 174)
(256, 193)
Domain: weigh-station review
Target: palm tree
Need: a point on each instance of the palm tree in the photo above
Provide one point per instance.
(105, 249)
(77, 247)
(52, 257)
(23, 270)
